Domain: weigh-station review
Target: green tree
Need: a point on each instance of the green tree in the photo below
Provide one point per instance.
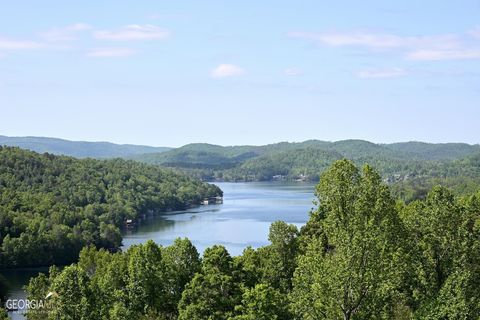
(262, 303)
(249, 266)
(72, 297)
(357, 273)
(444, 265)
(278, 260)
(214, 292)
(146, 275)
(181, 261)
(3, 314)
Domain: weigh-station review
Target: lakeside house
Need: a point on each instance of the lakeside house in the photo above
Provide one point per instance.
(212, 200)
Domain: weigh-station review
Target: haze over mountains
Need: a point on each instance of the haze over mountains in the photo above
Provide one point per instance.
(211, 155)
(78, 149)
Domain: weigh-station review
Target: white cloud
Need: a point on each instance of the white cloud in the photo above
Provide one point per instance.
(58, 38)
(13, 44)
(435, 47)
(133, 32)
(65, 33)
(436, 55)
(227, 70)
(381, 73)
(292, 71)
(79, 27)
(475, 32)
(376, 40)
(110, 52)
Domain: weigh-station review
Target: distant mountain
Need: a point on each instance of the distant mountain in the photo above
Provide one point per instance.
(412, 167)
(79, 149)
(434, 151)
(302, 163)
(202, 155)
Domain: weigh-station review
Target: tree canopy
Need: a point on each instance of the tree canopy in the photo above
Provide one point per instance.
(362, 255)
(53, 206)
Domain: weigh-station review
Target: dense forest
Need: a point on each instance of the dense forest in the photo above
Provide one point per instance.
(53, 206)
(362, 255)
(400, 243)
(412, 168)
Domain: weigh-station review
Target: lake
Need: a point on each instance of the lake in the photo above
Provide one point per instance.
(242, 220)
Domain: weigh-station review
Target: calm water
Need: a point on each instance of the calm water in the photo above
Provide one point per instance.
(242, 220)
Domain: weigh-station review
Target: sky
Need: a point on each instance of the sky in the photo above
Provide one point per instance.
(168, 73)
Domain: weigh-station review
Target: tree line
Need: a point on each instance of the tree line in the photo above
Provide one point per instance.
(53, 206)
(362, 255)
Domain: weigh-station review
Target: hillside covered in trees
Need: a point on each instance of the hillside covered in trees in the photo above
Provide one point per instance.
(411, 167)
(362, 255)
(53, 206)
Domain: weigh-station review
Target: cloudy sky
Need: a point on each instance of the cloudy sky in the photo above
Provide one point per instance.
(167, 73)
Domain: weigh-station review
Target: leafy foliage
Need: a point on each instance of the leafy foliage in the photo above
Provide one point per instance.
(354, 269)
(53, 206)
(362, 255)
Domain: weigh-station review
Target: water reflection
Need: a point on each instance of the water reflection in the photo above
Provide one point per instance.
(242, 220)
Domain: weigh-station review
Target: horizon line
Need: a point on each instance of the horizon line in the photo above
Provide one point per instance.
(239, 145)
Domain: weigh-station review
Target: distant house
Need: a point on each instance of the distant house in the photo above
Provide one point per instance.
(213, 200)
(301, 178)
(129, 223)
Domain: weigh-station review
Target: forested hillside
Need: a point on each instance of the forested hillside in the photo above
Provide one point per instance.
(434, 151)
(362, 255)
(78, 149)
(212, 162)
(53, 206)
(411, 167)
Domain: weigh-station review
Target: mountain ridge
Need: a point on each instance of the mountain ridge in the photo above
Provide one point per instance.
(78, 149)
(412, 168)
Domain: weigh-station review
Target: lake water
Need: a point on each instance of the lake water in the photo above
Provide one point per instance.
(242, 220)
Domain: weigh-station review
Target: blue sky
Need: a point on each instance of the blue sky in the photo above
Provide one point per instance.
(167, 73)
